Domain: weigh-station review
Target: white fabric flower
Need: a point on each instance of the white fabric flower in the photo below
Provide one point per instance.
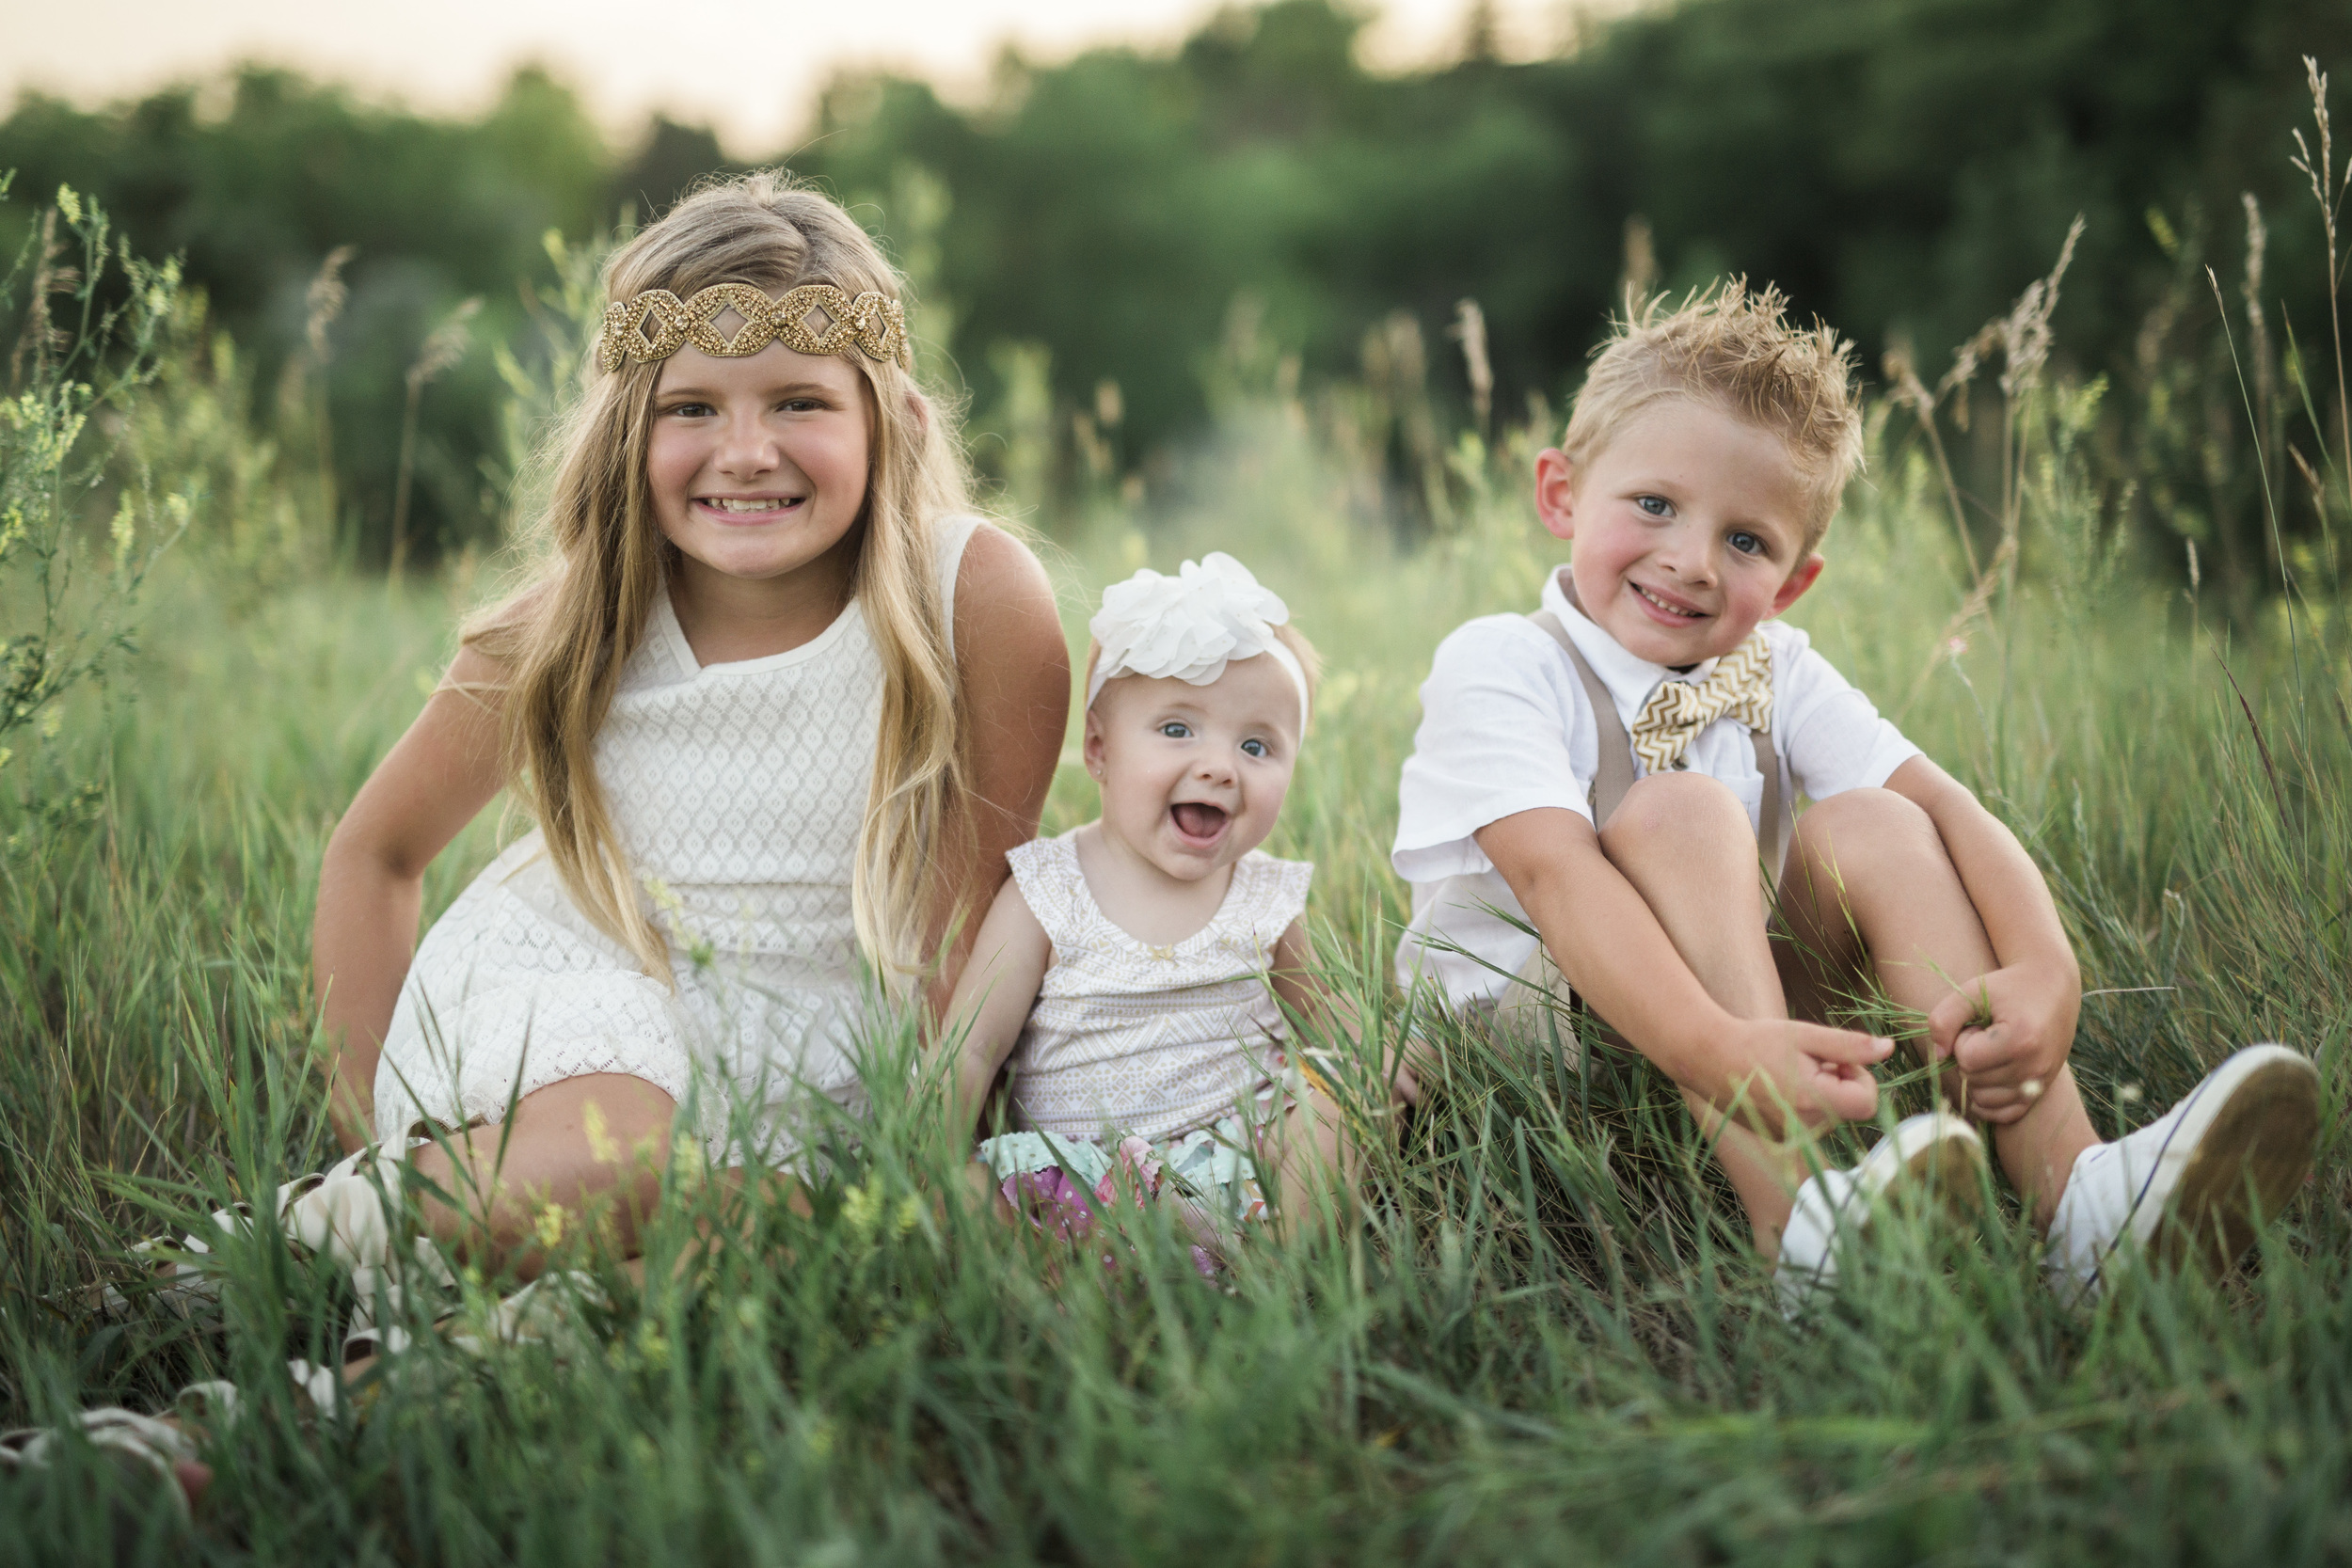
(1186, 627)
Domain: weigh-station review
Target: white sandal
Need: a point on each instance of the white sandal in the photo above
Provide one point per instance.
(139, 1445)
(339, 1211)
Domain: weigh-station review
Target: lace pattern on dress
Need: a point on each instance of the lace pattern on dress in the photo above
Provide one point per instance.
(737, 790)
(1138, 1039)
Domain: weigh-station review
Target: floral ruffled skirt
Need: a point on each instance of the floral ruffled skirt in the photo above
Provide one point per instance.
(1064, 1183)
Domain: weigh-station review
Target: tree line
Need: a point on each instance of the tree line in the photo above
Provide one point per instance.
(1902, 168)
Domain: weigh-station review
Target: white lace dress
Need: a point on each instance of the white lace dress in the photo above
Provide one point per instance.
(736, 791)
(1167, 1045)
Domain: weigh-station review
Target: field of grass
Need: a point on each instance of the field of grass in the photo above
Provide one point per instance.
(1546, 1341)
(1547, 1338)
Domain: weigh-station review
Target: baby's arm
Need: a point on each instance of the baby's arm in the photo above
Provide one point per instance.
(1299, 986)
(2035, 993)
(1316, 1151)
(443, 770)
(992, 1000)
(1619, 958)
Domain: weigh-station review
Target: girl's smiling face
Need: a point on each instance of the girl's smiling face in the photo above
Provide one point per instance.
(1193, 776)
(758, 466)
(1690, 527)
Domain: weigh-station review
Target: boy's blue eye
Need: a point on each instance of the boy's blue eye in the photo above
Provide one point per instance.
(1657, 506)
(1748, 544)
(1176, 729)
(1254, 747)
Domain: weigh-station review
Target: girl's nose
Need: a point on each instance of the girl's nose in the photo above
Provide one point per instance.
(747, 450)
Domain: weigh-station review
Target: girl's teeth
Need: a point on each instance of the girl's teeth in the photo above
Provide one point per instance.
(723, 504)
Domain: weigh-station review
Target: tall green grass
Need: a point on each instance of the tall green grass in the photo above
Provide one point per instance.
(1542, 1337)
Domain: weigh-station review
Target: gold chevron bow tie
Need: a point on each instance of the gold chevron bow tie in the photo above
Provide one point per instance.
(1739, 686)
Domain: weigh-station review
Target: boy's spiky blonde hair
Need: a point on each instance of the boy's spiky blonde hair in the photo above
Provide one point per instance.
(1734, 347)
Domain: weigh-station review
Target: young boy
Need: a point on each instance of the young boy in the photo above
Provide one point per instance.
(1604, 769)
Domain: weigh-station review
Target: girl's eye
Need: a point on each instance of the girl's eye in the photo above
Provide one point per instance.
(1657, 506)
(690, 410)
(1254, 747)
(802, 405)
(1748, 544)
(1176, 729)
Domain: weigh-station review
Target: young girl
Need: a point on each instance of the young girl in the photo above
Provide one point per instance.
(1134, 969)
(776, 702)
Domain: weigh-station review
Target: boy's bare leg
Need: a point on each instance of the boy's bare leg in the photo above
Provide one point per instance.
(1685, 843)
(1868, 881)
(593, 1146)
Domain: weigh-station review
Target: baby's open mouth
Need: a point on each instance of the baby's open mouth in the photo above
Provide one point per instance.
(1198, 820)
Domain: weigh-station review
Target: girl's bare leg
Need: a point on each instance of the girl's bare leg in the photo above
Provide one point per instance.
(1684, 842)
(593, 1147)
(1867, 883)
(1317, 1160)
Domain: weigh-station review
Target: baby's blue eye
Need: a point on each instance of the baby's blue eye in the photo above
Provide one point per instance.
(1747, 544)
(1657, 506)
(1176, 729)
(1254, 747)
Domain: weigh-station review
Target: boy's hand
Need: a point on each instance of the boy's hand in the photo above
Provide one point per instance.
(1815, 1073)
(2009, 1060)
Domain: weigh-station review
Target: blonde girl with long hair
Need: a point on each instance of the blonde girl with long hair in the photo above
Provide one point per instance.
(776, 702)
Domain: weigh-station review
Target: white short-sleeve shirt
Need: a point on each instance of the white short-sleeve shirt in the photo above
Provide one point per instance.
(1506, 728)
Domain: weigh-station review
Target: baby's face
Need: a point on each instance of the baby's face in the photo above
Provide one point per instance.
(1193, 776)
(1689, 527)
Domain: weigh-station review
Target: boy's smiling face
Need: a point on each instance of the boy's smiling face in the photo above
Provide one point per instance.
(1688, 526)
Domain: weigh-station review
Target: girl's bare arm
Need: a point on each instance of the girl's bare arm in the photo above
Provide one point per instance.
(1299, 986)
(1011, 951)
(371, 880)
(1014, 668)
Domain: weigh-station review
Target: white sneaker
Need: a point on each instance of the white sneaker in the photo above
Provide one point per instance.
(2196, 1182)
(1937, 1153)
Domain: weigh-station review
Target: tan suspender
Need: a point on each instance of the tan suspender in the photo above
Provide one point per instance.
(1614, 777)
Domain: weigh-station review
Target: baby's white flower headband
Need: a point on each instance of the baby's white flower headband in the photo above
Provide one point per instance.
(1190, 626)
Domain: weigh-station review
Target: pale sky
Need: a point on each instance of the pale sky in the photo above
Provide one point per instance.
(749, 68)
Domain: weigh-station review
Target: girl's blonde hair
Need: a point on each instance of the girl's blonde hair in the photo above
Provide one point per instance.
(562, 641)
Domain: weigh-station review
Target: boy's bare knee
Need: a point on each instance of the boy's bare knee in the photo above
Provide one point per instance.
(1677, 811)
(1865, 829)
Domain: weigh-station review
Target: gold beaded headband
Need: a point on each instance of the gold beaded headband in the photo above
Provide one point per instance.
(656, 325)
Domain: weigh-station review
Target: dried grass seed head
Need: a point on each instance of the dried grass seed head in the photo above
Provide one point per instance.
(1735, 347)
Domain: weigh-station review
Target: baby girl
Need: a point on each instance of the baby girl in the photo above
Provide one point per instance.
(1137, 971)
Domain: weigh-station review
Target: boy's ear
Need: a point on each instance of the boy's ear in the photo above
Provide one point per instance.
(1809, 572)
(1555, 493)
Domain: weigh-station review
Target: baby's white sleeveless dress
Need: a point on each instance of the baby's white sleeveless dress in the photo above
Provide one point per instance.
(1172, 1047)
(736, 791)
